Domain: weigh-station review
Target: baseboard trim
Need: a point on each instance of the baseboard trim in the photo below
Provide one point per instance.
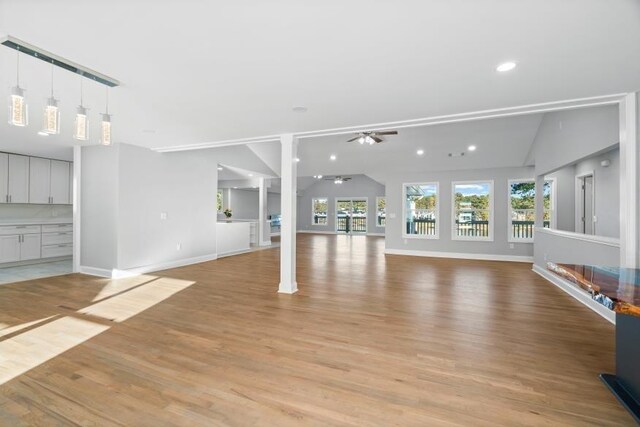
(119, 274)
(94, 271)
(459, 255)
(577, 293)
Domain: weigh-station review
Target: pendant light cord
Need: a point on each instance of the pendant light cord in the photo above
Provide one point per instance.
(51, 79)
(107, 91)
(81, 98)
(18, 68)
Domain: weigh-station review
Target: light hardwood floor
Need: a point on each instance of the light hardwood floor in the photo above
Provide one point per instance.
(368, 340)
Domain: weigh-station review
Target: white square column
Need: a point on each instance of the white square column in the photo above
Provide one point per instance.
(289, 175)
(538, 202)
(629, 181)
(264, 227)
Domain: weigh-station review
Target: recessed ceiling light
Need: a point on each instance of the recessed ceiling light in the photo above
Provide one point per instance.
(420, 152)
(332, 157)
(297, 159)
(471, 148)
(250, 174)
(299, 109)
(235, 187)
(42, 133)
(506, 66)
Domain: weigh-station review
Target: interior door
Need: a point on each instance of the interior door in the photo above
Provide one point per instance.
(589, 226)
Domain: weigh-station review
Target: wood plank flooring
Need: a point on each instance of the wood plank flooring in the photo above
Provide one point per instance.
(369, 340)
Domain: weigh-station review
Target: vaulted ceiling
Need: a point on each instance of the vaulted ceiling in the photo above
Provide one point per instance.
(198, 71)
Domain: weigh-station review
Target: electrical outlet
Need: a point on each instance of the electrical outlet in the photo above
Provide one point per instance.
(179, 246)
(163, 215)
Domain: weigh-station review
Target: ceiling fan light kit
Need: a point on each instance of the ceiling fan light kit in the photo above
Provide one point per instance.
(371, 137)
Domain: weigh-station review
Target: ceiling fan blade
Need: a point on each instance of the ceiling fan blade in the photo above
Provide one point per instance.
(388, 132)
(353, 139)
(376, 139)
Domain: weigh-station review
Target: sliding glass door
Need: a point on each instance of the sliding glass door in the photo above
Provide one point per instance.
(351, 215)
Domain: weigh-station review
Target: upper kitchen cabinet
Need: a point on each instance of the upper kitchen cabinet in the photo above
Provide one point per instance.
(18, 179)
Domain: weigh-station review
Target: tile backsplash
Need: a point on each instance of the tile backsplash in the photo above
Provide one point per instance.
(25, 211)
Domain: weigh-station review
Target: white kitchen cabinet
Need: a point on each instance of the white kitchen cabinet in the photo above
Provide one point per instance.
(60, 182)
(10, 248)
(18, 185)
(4, 178)
(39, 180)
(30, 247)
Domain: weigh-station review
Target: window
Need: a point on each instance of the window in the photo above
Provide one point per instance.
(381, 211)
(319, 208)
(219, 200)
(549, 203)
(472, 210)
(522, 212)
(421, 210)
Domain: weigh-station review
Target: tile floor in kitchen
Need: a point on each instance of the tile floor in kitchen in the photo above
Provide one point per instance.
(35, 271)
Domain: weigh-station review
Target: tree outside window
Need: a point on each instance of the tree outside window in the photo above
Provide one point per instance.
(319, 207)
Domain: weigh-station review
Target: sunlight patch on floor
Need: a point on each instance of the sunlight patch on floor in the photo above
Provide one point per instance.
(11, 329)
(119, 285)
(122, 307)
(32, 348)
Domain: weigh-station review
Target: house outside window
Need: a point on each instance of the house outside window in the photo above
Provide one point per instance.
(319, 211)
(472, 207)
(421, 210)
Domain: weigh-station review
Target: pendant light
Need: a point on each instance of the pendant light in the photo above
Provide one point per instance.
(51, 123)
(81, 130)
(18, 109)
(105, 134)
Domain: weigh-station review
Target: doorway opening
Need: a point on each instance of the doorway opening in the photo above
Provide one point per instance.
(351, 215)
(585, 203)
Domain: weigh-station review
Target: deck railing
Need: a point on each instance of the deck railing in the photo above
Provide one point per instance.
(524, 229)
(421, 226)
(352, 225)
(472, 228)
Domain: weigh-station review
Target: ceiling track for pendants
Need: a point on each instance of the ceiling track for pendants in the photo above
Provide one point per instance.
(36, 52)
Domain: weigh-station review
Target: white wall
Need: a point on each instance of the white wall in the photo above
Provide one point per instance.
(569, 138)
(244, 203)
(565, 189)
(99, 207)
(182, 185)
(564, 137)
(499, 246)
(358, 186)
(125, 189)
(9, 211)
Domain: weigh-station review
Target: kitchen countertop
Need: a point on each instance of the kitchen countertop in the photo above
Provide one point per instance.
(35, 221)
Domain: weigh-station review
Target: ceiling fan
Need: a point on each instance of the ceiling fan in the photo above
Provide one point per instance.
(371, 137)
(338, 179)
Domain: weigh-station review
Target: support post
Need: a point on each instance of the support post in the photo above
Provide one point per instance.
(76, 201)
(288, 284)
(629, 182)
(539, 202)
(264, 227)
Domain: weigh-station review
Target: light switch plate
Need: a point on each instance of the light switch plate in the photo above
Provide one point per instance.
(163, 215)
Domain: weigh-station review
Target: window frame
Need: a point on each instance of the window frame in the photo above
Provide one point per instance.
(490, 237)
(385, 211)
(403, 224)
(510, 237)
(553, 218)
(313, 199)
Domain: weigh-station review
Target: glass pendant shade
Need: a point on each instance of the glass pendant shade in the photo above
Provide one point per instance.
(51, 123)
(18, 109)
(81, 131)
(105, 136)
